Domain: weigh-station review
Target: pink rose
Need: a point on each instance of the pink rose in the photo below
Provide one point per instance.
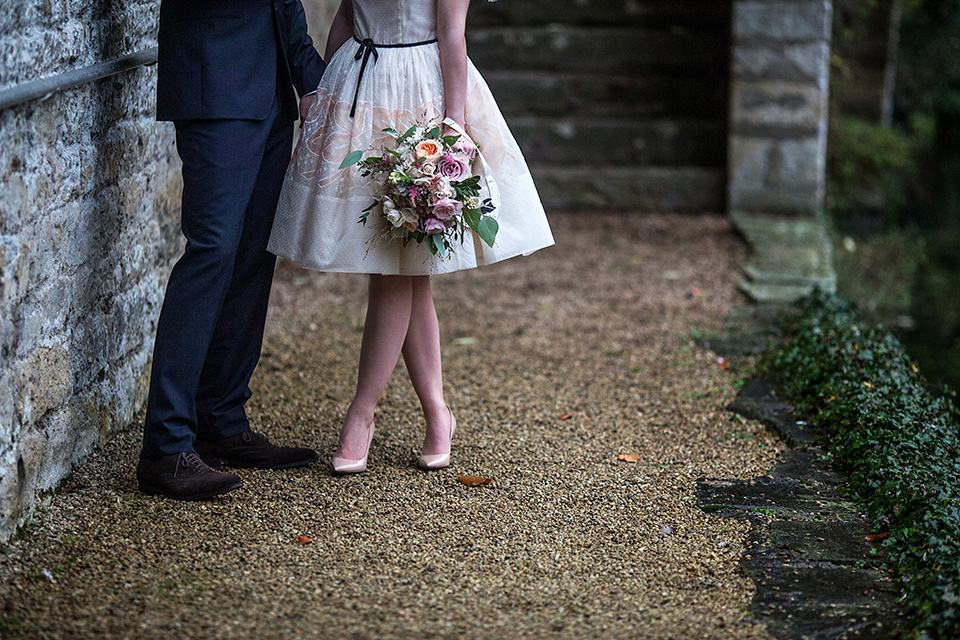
(432, 225)
(453, 167)
(446, 208)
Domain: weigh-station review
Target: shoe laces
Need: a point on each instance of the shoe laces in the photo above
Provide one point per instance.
(186, 460)
(257, 438)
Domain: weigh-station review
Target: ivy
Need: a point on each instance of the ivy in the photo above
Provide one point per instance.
(898, 442)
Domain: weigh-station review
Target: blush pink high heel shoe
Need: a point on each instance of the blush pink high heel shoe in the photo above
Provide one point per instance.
(439, 460)
(343, 466)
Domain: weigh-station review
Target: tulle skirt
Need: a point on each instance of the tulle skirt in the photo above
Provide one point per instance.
(317, 222)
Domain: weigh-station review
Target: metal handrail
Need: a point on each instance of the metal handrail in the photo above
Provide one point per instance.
(45, 87)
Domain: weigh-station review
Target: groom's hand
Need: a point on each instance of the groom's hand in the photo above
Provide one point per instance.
(305, 103)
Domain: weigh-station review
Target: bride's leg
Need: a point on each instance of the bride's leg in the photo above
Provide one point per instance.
(388, 317)
(421, 353)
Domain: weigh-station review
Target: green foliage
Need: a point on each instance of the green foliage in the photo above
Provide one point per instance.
(879, 273)
(900, 445)
(869, 166)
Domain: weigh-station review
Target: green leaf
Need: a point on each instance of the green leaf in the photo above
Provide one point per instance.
(437, 239)
(434, 133)
(472, 218)
(352, 158)
(488, 228)
(391, 151)
(392, 132)
(450, 140)
(409, 132)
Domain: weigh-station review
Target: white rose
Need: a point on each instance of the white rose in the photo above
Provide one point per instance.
(391, 213)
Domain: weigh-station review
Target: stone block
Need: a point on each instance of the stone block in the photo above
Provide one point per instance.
(600, 50)
(777, 104)
(44, 382)
(8, 413)
(803, 62)
(619, 141)
(676, 189)
(30, 450)
(62, 433)
(788, 257)
(781, 21)
(13, 269)
(776, 175)
(584, 95)
(601, 12)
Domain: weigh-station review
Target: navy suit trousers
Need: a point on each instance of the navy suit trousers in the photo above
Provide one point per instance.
(211, 325)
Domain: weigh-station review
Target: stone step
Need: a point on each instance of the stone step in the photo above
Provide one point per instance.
(789, 256)
(692, 95)
(600, 50)
(601, 12)
(617, 142)
(641, 189)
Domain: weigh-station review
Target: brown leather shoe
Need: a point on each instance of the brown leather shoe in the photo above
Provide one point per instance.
(184, 476)
(252, 450)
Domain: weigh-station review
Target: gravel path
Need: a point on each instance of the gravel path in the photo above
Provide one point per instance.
(555, 365)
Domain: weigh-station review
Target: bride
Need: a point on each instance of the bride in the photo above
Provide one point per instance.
(391, 64)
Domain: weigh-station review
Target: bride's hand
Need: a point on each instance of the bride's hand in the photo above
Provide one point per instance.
(464, 144)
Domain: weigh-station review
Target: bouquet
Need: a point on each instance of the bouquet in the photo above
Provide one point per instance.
(424, 189)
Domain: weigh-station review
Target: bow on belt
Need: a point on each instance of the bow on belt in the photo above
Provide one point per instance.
(369, 48)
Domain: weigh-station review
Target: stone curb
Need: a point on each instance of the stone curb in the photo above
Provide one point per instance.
(816, 573)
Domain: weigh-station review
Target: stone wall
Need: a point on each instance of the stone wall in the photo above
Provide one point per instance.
(89, 197)
(779, 87)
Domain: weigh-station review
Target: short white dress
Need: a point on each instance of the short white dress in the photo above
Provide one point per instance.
(317, 222)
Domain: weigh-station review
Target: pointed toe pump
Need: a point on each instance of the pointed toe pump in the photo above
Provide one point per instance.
(439, 460)
(342, 466)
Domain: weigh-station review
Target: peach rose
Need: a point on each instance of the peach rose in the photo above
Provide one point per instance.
(429, 150)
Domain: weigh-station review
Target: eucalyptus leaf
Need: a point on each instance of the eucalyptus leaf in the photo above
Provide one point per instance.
(437, 241)
(352, 158)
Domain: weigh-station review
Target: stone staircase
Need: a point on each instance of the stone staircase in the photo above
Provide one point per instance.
(617, 104)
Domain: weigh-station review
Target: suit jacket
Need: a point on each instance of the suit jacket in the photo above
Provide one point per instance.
(230, 58)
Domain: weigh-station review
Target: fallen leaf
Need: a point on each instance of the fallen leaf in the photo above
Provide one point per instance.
(696, 292)
(473, 481)
(566, 416)
(628, 457)
(467, 340)
(304, 539)
(874, 537)
(723, 364)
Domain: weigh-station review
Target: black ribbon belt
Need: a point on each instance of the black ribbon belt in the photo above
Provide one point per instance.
(369, 48)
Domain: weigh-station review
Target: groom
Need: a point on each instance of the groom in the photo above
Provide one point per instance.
(226, 77)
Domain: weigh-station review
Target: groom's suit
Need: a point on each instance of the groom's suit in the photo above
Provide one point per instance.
(227, 72)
